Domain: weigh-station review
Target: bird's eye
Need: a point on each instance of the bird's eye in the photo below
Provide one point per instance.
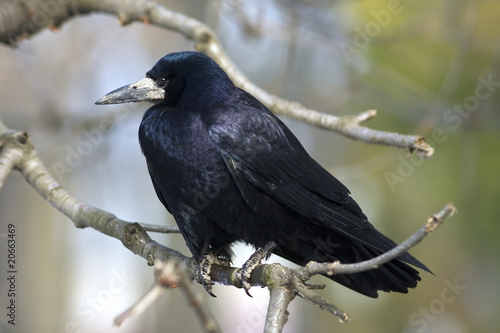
(161, 82)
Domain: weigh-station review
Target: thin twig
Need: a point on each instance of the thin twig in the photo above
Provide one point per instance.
(307, 294)
(170, 275)
(208, 321)
(160, 228)
(146, 300)
(434, 221)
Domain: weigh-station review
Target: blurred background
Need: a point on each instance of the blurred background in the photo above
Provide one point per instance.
(428, 67)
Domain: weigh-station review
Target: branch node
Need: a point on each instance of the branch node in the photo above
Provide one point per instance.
(150, 259)
(365, 116)
(53, 26)
(22, 138)
(123, 19)
(144, 19)
(205, 36)
(437, 219)
(166, 274)
(424, 150)
(134, 234)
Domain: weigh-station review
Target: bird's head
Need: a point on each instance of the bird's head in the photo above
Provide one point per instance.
(189, 78)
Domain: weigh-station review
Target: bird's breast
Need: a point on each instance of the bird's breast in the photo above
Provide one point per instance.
(182, 159)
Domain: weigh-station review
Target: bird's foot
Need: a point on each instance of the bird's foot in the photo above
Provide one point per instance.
(202, 273)
(243, 274)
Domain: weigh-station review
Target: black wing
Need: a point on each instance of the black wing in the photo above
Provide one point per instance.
(261, 152)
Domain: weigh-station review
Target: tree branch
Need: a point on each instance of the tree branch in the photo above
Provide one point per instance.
(208, 321)
(434, 221)
(17, 152)
(277, 313)
(21, 20)
(11, 156)
(168, 274)
(160, 228)
(306, 293)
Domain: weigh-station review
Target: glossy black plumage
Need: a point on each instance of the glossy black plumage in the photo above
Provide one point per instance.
(229, 170)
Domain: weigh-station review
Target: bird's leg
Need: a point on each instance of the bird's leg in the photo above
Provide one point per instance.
(255, 260)
(202, 273)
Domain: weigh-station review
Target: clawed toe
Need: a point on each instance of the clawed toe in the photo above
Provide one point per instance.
(244, 273)
(202, 273)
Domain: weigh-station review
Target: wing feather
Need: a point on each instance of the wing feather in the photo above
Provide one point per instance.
(262, 154)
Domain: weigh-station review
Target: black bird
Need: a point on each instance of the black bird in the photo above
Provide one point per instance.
(229, 170)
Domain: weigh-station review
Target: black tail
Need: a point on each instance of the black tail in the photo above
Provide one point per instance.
(395, 275)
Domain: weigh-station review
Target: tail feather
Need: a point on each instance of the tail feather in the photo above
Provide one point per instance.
(396, 275)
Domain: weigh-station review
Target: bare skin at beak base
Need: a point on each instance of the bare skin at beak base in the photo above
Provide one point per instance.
(143, 90)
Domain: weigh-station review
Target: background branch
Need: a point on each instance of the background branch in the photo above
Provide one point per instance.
(168, 275)
(19, 23)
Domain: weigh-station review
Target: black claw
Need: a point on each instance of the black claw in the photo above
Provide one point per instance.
(208, 289)
(268, 248)
(243, 275)
(248, 292)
